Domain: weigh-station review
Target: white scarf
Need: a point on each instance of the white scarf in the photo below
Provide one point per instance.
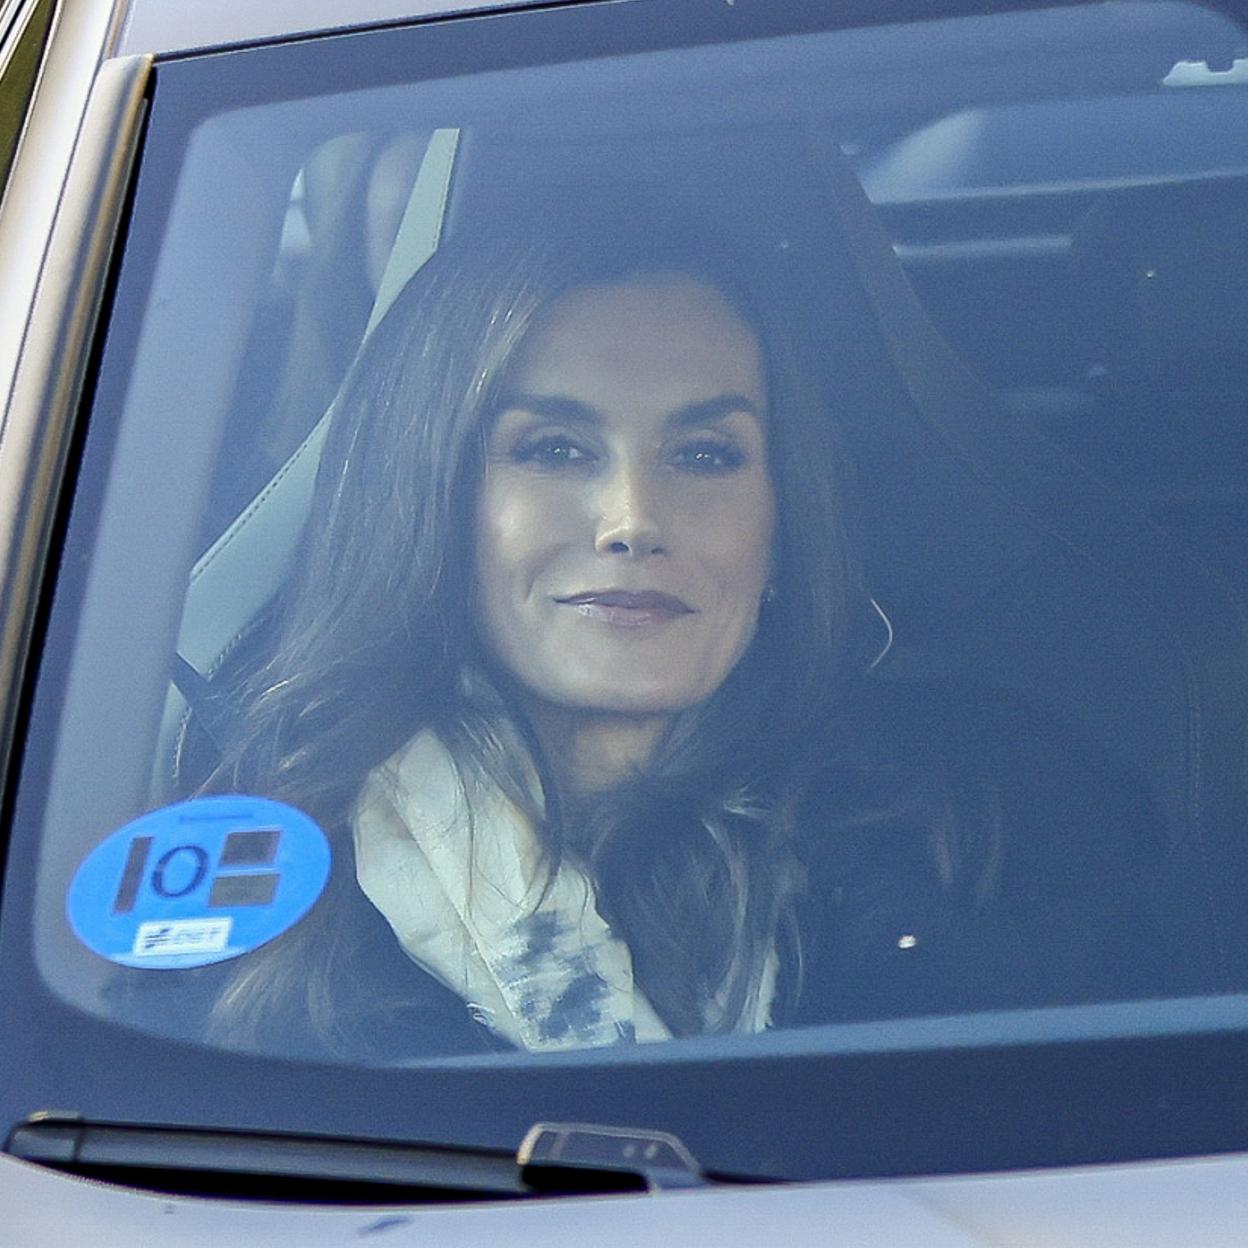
(459, 874)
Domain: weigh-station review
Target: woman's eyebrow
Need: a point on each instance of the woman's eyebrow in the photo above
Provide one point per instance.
(708, 411)
(552, 407)
(574, 411)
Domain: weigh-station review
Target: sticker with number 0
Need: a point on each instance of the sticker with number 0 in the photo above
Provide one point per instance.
(199, 882)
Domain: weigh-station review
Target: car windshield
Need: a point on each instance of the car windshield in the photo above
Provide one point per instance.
(623, 539)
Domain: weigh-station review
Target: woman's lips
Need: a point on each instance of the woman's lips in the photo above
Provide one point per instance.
(628, 608)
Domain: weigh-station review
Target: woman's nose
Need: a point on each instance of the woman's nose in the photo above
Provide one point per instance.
(628, 521)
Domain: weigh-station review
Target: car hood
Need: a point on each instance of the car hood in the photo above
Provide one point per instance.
(1196, 1203)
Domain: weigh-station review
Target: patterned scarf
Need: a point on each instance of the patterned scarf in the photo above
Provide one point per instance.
(459, 874)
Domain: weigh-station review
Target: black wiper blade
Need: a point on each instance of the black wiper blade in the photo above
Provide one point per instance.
(254, 1165)
(554, 1159)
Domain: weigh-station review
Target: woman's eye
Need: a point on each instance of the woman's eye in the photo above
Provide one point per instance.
(551, 452)
(709, 457)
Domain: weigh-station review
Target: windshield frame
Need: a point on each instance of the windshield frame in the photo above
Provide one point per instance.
(1027, 1088)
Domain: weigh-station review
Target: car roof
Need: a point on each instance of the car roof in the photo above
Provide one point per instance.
(164, 28)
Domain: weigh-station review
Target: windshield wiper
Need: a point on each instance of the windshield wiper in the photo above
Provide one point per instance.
(554, 1159)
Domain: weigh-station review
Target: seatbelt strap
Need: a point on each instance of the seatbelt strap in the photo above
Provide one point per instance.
(206, 706)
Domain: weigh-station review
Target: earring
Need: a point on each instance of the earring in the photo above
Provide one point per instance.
(888, 643)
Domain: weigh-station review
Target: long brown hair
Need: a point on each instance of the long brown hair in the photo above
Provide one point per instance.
(371, 640)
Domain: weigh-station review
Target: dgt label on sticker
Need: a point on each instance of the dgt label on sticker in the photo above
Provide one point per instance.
(198, 882)
(182, 936)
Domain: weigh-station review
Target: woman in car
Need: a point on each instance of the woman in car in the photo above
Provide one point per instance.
(573, 671)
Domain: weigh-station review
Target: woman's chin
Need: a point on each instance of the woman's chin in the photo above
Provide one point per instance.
(630, 700)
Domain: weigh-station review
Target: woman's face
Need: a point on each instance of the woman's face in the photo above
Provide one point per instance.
(624, 529)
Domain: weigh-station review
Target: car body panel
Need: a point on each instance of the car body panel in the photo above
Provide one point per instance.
(56, 238)
(1201, 1203)
(154, 26)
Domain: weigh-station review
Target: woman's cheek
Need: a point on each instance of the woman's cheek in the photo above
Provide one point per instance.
(516, 525)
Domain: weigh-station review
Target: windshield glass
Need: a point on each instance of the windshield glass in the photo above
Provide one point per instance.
(584, 544)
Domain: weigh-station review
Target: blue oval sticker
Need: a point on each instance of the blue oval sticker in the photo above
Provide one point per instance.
(199, 882)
